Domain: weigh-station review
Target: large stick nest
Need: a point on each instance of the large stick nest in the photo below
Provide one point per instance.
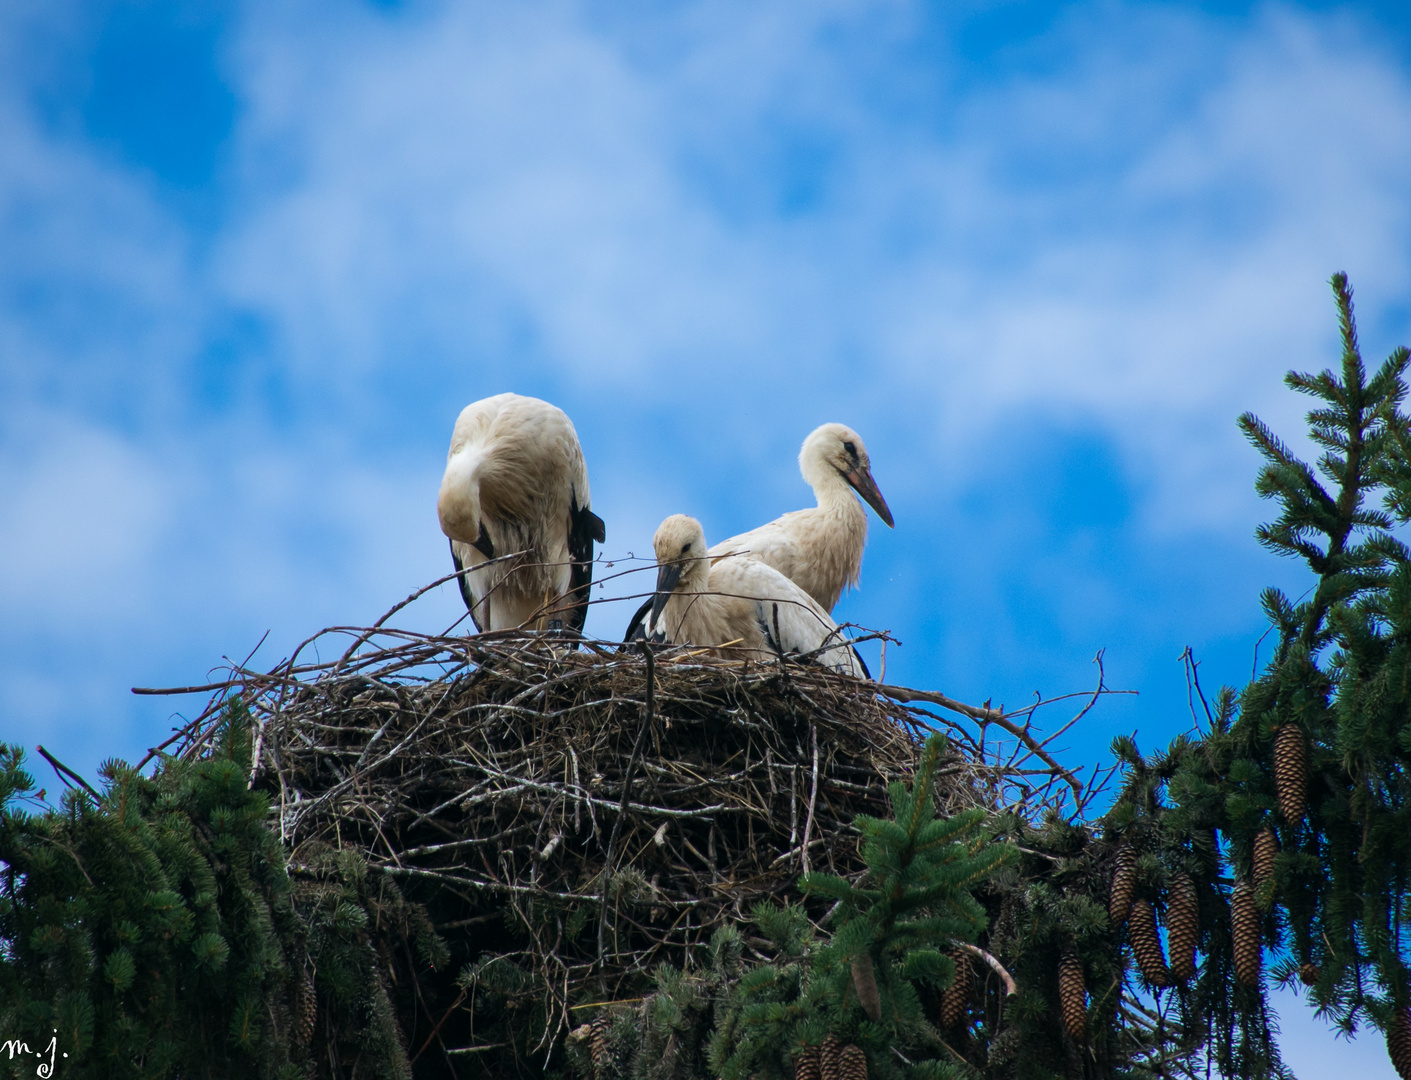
(583, 814)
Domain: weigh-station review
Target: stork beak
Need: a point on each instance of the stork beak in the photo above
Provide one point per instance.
(668, 575)
(864, 485)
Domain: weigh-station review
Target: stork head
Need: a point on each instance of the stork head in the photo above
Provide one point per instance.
(681, 554)
(837, 450)
(458, 504)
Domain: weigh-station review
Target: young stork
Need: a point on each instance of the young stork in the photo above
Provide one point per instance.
(735, 601)
(516, 482)
(818, 549)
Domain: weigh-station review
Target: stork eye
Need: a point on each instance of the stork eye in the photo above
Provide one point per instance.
(685, 548)
(850, 448)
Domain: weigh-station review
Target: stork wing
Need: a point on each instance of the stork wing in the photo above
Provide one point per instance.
(584, 527)
(800, 626)
(463, 580)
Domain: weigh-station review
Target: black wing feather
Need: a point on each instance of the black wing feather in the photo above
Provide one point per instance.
(584, 527)
(637, 628)
(465, 585)
(484, 544)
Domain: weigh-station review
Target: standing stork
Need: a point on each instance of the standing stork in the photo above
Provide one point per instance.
(516, 485)
(818, 549)
(737, 602)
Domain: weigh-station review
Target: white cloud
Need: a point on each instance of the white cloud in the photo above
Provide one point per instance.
(81, 517)
(1138, 233)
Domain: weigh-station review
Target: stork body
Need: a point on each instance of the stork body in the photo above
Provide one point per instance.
(820, 549)
(738, 602)
(516, 482)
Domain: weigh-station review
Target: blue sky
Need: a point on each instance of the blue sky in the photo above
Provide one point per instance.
(254, 258)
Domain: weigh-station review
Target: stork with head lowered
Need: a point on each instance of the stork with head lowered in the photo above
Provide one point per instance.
(514, 502)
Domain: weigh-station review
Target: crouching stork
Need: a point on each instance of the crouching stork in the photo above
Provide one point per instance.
(514, 503)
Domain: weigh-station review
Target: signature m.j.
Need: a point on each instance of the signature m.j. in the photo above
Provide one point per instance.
(45, 1069)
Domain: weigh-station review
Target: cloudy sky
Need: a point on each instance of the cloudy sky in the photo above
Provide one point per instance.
(255, 257)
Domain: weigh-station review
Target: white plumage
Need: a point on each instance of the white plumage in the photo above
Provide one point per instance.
(820, 549)
(738, 602)
(516, 482)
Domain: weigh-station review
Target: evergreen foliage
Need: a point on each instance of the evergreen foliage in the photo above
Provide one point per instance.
(866, 983)
(1313, 753)
(155, 932)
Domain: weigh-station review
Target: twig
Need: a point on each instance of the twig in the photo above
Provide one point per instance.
(622, 810)
(444, 1017)
(63, 770)
(812, 799)
(1010, 988)
(987, 716)
(367, 635)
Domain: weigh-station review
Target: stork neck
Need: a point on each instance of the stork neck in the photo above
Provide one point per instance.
(458, 503)
(834, 493)
(695, 575)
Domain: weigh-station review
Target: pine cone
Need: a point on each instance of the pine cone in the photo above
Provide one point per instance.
(1182, 926)
(828, 1058)
(306, 1014)
(1291, 772)
(865, 981)
(1399, 1043)
(1308, 974)
(1244, 922)
(598, 1045)
(956, 996)
(1266, 846)
(852, 1063)
(1146, 943)
(1071, 996)
(806, 1065)
(1124, 883)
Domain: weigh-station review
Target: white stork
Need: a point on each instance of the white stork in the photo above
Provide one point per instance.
(818, 549)
(516, 484)
(735, 601)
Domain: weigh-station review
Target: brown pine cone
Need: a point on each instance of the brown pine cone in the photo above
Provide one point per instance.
(1146, 943)
(956, 996)
(806, 1065)
(1072, 997)
(306, 1015)
(1124, 883)
(1308, 974)
(852, 1063)
(598, 1045)
(864, 979)
(1399, 1043)
(1266, 846)
(828, 1058)
(1182, 926)
(1291, 772)
(1244, 924)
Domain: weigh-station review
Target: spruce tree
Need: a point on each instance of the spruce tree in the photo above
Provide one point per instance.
(153, 929)
(864, 984)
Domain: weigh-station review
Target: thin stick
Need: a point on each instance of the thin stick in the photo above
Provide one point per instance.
(986, 716)
(62, 769)
(1009, 985)
(363, 639)
(812, 798)
(622, 810)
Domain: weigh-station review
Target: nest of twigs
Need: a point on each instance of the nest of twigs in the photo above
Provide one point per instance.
(581, 814)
